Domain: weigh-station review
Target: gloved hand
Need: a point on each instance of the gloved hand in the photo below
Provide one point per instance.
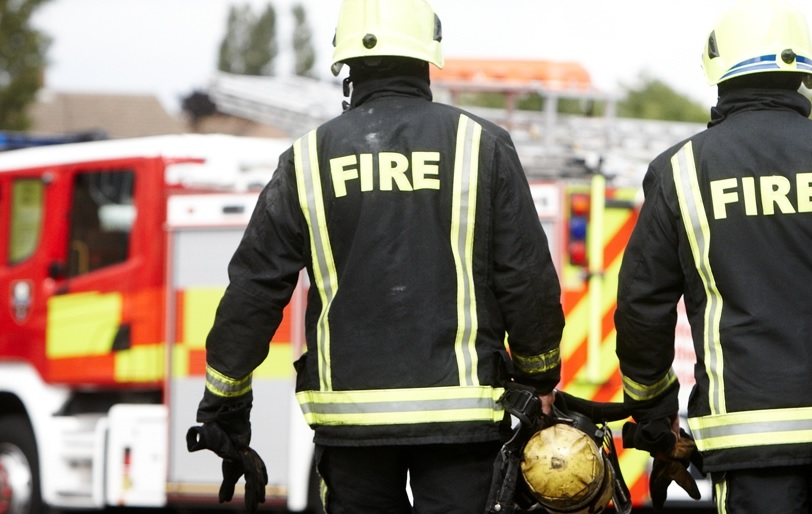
(226, 431)
(672, 457)
(673, 466)
(236, 463)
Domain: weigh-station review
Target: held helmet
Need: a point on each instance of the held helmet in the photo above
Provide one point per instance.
(371, 28)
(758, 36)
(566, 471)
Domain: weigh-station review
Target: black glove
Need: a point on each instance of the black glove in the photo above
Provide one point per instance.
(236, 463)
(672, 457)
(226, 431)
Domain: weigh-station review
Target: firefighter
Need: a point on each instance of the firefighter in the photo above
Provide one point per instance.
(727, 223)
(423, 248)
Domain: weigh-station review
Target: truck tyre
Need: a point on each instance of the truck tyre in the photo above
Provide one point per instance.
(19, 467)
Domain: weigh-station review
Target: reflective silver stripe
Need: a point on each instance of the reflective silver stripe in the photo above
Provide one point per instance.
(402, 406)
(753, 428)
(537, 363)
(643, 392)
(311, 201)
(224, 386)
(466, 172)
(697, 228)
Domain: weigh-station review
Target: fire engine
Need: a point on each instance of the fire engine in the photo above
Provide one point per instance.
(113, 258)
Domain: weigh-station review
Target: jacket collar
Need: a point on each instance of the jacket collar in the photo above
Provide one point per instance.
(744, 100)
(391, 86)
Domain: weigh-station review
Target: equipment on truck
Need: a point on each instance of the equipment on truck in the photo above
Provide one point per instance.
(113, 257)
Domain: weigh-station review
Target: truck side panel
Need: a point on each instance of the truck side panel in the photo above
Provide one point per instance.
(199, 256)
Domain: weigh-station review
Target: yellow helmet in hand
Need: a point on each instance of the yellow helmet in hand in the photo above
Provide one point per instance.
(566, 471)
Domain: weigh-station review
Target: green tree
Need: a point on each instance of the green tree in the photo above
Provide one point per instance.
(303, 53)
(249, 46)
(22, 62)
(234, 42)
(655, 100)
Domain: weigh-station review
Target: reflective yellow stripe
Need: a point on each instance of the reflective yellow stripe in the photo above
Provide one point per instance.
(224, 386)
(277, 363)
(698, 230)
(463, 213)
(721, 496)
(535, 364)
(82, 324)
(311, 200)
(401, 406)
(752, 428)
(199, 306)
(642, 392)
(141, 363)
(634, 465)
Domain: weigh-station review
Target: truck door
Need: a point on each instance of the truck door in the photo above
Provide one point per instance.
(104, 318)
(23, 197)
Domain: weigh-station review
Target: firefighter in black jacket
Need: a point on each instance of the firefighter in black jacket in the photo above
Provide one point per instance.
(727, 223)
(424, 251)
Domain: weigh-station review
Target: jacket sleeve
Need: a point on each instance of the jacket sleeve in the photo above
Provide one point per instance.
(263, 273)
(525, 280)
(650, 286)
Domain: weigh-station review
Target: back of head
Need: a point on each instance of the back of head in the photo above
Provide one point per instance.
(759, 37)
(371, 31)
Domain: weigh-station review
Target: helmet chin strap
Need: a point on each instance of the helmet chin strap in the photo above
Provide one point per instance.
(347, 87)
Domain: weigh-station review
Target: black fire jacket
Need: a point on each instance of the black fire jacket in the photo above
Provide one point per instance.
(727, 222)
(416, 226)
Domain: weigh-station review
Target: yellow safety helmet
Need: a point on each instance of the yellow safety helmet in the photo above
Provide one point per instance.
(757, 36)
(566, 471)
(405, 28)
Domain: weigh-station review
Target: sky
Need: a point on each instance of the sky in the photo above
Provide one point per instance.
(169, 47)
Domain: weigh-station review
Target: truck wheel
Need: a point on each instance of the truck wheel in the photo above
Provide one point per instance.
(19, 468)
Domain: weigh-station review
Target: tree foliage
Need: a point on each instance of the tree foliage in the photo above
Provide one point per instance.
(249, 46)
(22, 61)
(303, 53)
(655, 100)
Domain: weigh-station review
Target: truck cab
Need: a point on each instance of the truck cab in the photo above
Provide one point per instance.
(113, 258)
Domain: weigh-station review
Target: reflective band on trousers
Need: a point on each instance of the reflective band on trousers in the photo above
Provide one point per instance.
(752, 428)
(401, 406)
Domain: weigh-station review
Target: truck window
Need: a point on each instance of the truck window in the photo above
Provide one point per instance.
(101, 219)
(27, 200)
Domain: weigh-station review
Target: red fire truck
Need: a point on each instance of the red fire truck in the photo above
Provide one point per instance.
(113, 257)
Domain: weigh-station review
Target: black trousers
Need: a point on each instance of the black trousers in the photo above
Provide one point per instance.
(443, 478)
(779, 490)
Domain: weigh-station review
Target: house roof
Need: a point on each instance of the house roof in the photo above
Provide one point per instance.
(115, 115)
